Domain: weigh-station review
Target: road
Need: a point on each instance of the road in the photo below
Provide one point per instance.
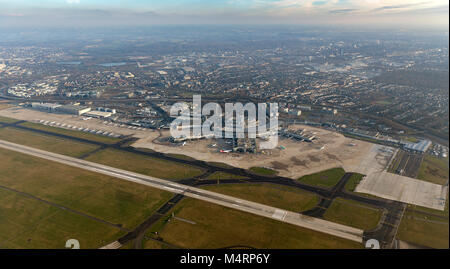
(409, 164)
(325, 202)
(297, 219)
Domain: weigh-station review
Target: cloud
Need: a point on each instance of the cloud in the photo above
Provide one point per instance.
(70, 2)
(397, 6)
(13, 15)
(433, 10)
(344, 10)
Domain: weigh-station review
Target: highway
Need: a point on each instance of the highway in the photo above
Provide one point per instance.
(297, 219)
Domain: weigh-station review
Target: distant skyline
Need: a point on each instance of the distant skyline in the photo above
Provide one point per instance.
(364, 13)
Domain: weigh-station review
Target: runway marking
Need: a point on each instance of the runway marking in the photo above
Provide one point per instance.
(113, 245)
(279, 214)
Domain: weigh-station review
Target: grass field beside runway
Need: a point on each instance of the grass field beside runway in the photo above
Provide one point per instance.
(353, 214)
(353, 182)
(45, 142)
(219, 227)
(179, 156)
(224, 175)
(152, 244)
(263, 171)
(425, 226)
(113, 200)
(273, 195)
(220, 165)
(27, 223)
(424, 230)
(434, 170)
(7, 120)
(78, 134)
(144, 164)
(327, 178)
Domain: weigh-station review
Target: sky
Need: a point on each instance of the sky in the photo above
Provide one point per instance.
(368, 13)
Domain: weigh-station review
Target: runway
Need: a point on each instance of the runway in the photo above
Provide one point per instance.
(297, 219)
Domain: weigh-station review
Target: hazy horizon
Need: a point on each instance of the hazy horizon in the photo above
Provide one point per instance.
(100, 13)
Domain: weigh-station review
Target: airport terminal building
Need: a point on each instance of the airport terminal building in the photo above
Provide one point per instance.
(420, 147)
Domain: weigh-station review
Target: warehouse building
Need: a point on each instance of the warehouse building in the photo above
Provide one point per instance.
(98, 114)
(49, 107)
(66, 109)
(72, 109)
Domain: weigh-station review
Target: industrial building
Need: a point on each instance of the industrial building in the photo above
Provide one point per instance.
(67, 109)
(49, 107)
(420, 147)
(72, 109)
(98, 114)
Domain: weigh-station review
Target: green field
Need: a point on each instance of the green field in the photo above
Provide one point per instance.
(78, 134)
(263, 171)
(7, 120)
(220, 227)
(220, 165)
(144, 164)
(180, 156)
(272, 195)
(353, 214)
(224, 175)
(425, 226)
(434, 170)
(44, 142)
(353, 182)
(147, 244)
(152, 244)
(424, 230)
(27, 222)
(327, 178)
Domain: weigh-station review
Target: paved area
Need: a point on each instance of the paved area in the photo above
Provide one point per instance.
(291, 158)
(395, 187)
(308, 222)
(375, 160)
(113, 245)
(73, 122)
(404, 189)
